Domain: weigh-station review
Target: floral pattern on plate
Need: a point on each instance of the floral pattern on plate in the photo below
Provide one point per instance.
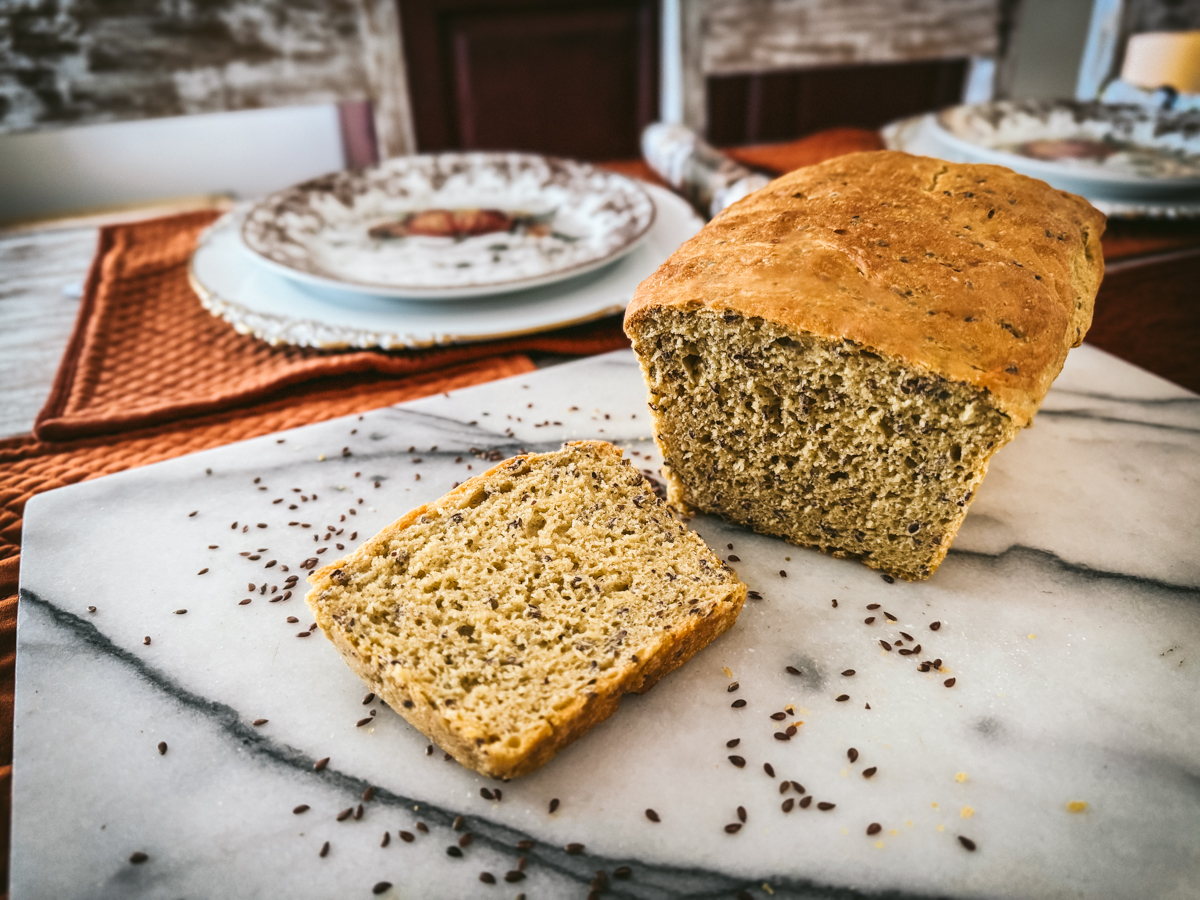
(348, 229)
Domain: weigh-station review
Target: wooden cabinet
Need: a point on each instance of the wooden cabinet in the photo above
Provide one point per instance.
(573, 78)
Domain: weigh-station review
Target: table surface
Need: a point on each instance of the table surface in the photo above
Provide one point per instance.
(1066, 748)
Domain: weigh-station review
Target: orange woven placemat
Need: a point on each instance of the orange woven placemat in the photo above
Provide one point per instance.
(144, 351)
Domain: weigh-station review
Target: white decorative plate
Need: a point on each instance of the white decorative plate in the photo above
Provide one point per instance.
(543, 219)
(255, 299)
(1129, 161)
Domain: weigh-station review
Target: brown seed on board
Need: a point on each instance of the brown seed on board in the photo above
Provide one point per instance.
(869, 620)
(368, 795)
(162, 748)
(741, 813)
(872, 606)
(949, 682)
(321, 764)
(842, 698)
(138, 857)
(934, 626)
(797, 787)
(738, 761)
(732, 687)
(967, 842)
(573, 849)
(853, 754)
(652, 816)
(788, 804)
(302, 808)
(825, 806)
(738, 704)
(782, 736)
(525, 845)
(554, 804)
(345, 814)
(790, 731)
(487, 877)
(779, 716)
(885, 645)
(792, 670)
(458, 823)
(733, 827)
(805, 802)
(486, 794)
(769, 769)
(622, 872)
(513, 876)
(387, 839)
(867, 773)
(733, 743)
(259, 722)
(324, 850)
(874, 828)
(407, 836)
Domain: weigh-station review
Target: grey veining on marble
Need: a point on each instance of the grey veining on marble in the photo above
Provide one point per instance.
(36, 316)
(1070, 611)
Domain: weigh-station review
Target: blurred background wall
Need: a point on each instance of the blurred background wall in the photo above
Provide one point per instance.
(117, 101)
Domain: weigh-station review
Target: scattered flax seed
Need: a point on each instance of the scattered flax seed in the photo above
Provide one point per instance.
(949, 682)
(885, 645)
(907, 637)
(652, 816)
(967, 842)
(769, 769)
(782, 736)
(429, 749)
(387, 839)
(733, 743)
(805, 802)
(162, 748)
(146, 640)
(874, 828)
(181, 612)
(202, 571)
(733, 558)
(779, 716)
(345, 814)
(292, 620)
(733, 687)
(733, 827)
(302, 808)
(303, 633)
(797, 787)
(458, 823)
(499, 794)
(486, 794)
(369, 794)
(872, 606)
(574, 849)
(792, 670)
(934, 626)
(842, 698)
(465, 840)
(782, 573)
(138, 857)
(741, 813)
(257, 722)
(848, 673)
(361, 722)
(407, 836)
(887, 615)
(825, 806)
(193, 512)
(324, 850)
(888, 578)
(554, 805)
(622, 872)
(487, 877)
(525, 845)
(834, 601)
(869, 620)
(455, 851)
(738, 704)
(867, 773)
(784, 787)
(738, 761)
(513, 876)
(853, 754)
(244, 602)
(321, 764)
(790, 731)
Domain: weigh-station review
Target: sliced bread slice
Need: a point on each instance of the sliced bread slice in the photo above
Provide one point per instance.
(507, 618)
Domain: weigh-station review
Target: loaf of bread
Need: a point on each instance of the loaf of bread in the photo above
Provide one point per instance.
(509, 617)
(835, 358)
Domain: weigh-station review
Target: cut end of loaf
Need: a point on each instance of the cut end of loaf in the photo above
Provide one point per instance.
(509, 617)
(825, 443)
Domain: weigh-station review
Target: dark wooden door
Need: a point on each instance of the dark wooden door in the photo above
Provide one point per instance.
(566, 77)
(779, 106)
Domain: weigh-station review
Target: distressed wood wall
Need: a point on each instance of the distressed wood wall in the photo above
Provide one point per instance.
(724, 37)
(69, 62)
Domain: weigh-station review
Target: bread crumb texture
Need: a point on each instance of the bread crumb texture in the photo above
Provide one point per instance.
(836, 358)
(509, 617)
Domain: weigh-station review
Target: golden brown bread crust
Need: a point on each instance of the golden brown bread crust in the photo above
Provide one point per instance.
(972, 272)
(408, 696)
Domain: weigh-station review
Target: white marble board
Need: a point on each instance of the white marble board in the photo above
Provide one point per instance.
(1070, 621)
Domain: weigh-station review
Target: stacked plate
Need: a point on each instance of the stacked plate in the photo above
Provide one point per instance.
(1129, 161)
(427, 250)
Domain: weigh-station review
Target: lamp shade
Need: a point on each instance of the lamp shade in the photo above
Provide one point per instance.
(1163, 58)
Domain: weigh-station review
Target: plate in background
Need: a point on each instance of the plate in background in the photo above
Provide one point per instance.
(1132, 161)
(558, 218)
(257, 300)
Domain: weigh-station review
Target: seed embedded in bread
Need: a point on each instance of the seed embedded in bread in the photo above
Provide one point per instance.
(507, 618)
(836, 358)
